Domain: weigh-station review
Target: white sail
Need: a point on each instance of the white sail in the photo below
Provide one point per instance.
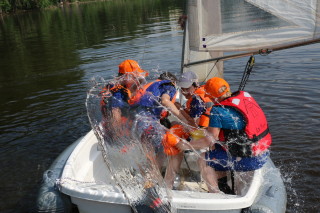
(191, 45)
(244, 27)
(251, 24)
(204, 71)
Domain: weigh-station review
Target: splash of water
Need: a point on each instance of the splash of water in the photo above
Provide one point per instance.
(131, 162)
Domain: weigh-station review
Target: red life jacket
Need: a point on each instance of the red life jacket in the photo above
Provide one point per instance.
(204, 118)
(256, 138)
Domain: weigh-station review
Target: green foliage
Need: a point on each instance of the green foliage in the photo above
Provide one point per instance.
(13, 5)
(23, 4)
(5, 6)
(43, 3)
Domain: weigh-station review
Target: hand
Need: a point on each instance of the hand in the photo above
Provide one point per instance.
(183, 145)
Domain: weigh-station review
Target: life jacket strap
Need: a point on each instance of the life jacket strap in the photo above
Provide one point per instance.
(205, 114)
(259, 137)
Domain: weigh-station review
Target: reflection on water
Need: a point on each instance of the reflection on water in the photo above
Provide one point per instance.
(47, 59)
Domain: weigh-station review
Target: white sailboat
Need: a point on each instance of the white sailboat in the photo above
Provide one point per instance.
(216, 30)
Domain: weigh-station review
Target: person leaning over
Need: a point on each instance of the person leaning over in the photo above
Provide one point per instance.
(116, 95)
(158, 98)
(152, 105)
(197, 108)
(238, 135)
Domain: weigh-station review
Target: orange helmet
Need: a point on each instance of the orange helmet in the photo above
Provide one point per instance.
(213, 86)
(131, 66)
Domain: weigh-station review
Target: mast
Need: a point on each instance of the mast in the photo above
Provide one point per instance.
(197, 12)
(184, 37)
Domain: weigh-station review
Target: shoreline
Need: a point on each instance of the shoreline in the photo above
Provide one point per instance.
(58, 5)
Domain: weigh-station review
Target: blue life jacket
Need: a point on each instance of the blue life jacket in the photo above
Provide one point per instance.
(150, 99)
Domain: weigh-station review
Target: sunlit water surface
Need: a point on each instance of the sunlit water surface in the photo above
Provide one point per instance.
(47, 61)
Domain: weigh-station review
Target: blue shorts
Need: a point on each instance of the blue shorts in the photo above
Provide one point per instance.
(220, 160)
(148, 127)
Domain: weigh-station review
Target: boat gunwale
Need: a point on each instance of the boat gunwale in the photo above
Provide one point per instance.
(216, 202)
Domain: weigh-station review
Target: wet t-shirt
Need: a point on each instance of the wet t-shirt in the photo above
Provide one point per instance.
(226, 118)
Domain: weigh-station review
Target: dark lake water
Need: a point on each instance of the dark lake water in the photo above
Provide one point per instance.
(47, 59)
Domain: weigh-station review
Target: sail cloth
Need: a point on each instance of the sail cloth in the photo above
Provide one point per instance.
(244, 25)
(192, 52)
(204, 71)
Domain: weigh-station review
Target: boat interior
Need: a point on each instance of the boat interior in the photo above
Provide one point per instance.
(86, 177)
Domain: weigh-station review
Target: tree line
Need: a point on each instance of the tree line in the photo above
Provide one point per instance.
(11, 6)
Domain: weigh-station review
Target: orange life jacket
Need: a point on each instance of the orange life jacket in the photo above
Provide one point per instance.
(142, 90)
(204, 118)
(172, 137)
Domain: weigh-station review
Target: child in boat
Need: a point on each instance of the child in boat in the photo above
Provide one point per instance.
(198, 109)
(238, 134)
(116, 95)
(117, 108)
(152, 105)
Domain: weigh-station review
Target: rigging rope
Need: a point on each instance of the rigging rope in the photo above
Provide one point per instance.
(247, 72)
(210, 71)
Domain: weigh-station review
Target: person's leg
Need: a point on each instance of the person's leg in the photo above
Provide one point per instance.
(209, 175)
(161, 159)
(213, 166)
(173, 167)
(250, 163)
(223, 185)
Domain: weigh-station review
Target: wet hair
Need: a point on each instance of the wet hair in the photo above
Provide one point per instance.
(168, 76)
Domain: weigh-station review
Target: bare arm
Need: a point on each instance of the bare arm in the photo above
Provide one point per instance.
(207, 141)
(214, 131)
(116, 116)
(165, 101)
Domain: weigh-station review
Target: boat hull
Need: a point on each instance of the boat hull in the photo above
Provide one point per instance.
(82, 178)
(50, 199)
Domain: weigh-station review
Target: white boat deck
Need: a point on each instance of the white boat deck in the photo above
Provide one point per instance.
(86, 179)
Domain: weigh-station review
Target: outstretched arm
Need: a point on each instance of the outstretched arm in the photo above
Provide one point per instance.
(212, 135)
(208, 141)
(165, 101)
